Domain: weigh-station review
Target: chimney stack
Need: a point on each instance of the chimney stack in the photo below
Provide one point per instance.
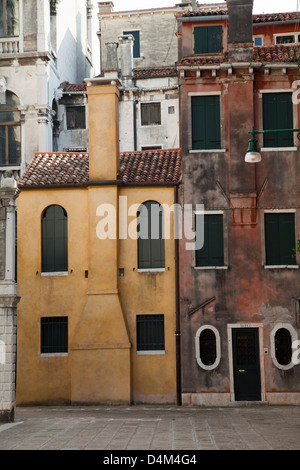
(240, 30)
(105, 7)
(126, 59)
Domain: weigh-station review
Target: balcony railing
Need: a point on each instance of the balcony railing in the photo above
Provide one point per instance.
(9, 45)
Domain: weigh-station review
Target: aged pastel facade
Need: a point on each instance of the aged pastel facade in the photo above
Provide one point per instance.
(240, 292)
(99, 306)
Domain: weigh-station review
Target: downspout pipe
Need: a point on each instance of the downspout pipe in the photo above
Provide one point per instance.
(177, 295)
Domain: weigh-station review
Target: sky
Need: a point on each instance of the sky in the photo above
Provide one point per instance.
(260, 6)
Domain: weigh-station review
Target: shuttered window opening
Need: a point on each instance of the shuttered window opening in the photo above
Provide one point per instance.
(151, 244)
(150, 332)
(206, 130)
(75, 117)
(212, 252)
(208, 39)
(280, 239)
(136, 43)
(150, 114)
(54, 335)
(278, 114)
(55, 240)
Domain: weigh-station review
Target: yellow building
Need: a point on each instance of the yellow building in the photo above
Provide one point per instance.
(98, 312)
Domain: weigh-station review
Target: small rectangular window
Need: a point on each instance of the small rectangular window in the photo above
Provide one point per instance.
(278, 114)
(286, 39)
(54, 335)
(150, 332)
(76, 117)
(150, 114)
(258, 41)
(280, 239)
(136, 43)
(212, 252)
(208, 39)
(206, 129)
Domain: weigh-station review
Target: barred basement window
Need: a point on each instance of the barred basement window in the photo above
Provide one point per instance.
(150, 332)
(54, 335)
(283, 346)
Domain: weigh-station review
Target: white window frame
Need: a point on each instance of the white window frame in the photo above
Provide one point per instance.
(259, 37)
(295, 34)
(294, 337)
(218, 347)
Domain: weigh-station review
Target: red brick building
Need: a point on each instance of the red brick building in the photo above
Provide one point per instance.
(240, 292)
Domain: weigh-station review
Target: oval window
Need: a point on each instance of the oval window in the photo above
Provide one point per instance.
(207, 344)
(283, 346)
(208, 347)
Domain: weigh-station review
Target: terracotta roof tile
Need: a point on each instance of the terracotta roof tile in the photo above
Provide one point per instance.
(47, 169)
(73, 87)
(260, 18)
(155, 72)
(279, 53)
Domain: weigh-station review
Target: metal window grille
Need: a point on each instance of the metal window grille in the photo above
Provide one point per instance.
(150, 332)
(54, 334)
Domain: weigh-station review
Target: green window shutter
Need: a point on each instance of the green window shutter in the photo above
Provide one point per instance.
(212, 253)
(208, 39)
(278, 114)
(54, 240)
(151, 249)
(280, 239)
(206, 132)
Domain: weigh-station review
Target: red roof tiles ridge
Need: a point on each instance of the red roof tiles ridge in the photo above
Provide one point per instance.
(71, 169)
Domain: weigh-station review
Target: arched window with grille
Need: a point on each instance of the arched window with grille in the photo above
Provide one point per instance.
(151, 245)
(54, 240)
(9, 18)
(10, 130)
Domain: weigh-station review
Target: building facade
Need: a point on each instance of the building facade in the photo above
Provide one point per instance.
(42, 44)
(240, 289)
(96, 300)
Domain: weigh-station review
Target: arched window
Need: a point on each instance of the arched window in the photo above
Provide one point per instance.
(55, 240)
(9, 18)
(151, 246)
(208, 349)
(10, 131)
(282, 337)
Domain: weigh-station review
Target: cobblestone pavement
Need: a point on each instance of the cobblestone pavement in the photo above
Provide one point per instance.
(153, 428)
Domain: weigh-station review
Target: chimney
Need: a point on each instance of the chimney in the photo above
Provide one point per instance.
(126, 59)
(111, 58)
(105, 7)
(240, 30)
(103, 109)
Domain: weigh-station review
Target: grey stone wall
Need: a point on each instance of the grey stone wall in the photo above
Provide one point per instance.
(2, 243)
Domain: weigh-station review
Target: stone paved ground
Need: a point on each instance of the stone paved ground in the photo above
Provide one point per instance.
(129, 428)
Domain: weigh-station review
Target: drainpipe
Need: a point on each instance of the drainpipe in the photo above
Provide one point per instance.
(135, 103)
(177, 295)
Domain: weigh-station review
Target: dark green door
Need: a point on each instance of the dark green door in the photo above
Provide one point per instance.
(246, 367)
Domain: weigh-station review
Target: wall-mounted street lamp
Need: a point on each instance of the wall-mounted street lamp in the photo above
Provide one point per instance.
(253, 155)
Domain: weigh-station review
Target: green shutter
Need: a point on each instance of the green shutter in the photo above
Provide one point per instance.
(208, 39)
(206, 132)
(151, 249)
(278, 114)
(280, 239)
(54, 240)
(212, 253)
